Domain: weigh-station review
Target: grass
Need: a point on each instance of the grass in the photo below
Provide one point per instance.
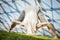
(20, 36)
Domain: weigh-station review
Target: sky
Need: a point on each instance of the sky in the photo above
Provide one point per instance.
(11, 9)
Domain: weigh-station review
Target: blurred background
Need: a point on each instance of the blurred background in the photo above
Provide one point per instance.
(10, 10)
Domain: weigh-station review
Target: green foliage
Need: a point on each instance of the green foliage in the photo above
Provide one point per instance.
(20, 36)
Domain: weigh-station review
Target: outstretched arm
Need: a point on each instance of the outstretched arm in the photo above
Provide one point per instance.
(41, 17)
(47, 24)
(21, 17)
(18, 22)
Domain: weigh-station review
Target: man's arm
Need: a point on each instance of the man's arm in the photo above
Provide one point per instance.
(18, 22)
(21, 17)
(41, 17)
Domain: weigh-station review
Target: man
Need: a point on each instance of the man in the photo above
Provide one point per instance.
(29, 19)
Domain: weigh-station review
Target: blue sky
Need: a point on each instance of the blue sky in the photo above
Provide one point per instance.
(12, 10)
